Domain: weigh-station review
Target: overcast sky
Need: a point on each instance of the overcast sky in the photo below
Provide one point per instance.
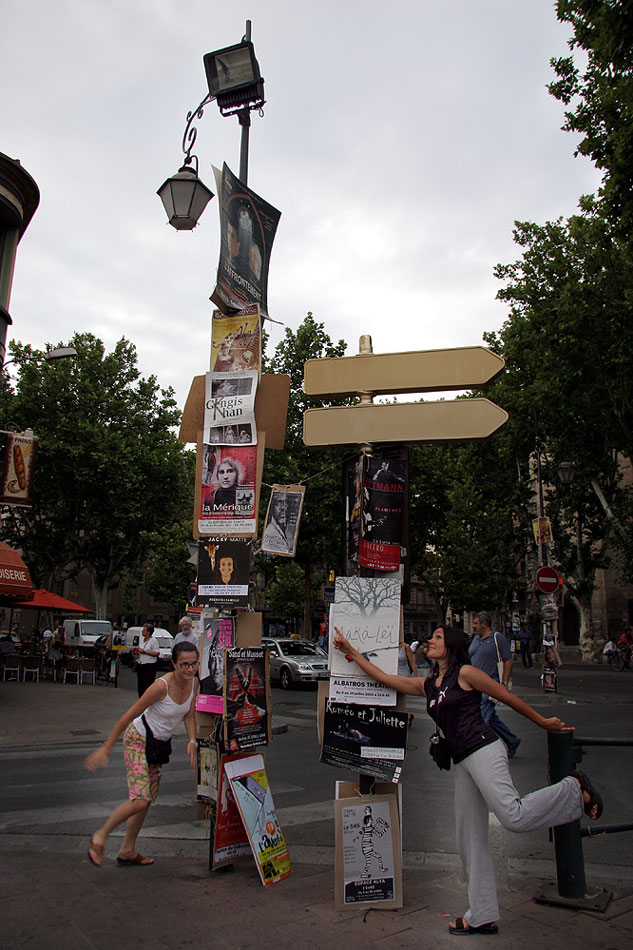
(400, 141)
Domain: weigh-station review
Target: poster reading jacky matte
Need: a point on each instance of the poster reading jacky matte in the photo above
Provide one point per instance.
(218, 635)
(223, 572)
(247, 231)
(249, 783)
(384, 487)
(228, 490)
(246, 700)
(369, 739)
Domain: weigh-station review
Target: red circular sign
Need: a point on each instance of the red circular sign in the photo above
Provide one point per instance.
(547, 580)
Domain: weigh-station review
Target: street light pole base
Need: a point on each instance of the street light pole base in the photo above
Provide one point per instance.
(596, 899)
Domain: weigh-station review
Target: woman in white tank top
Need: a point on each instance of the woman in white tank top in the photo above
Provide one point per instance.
(164, 704)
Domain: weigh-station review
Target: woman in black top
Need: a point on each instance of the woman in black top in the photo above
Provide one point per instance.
(482, 777)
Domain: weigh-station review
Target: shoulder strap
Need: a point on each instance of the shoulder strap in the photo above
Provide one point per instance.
(497, 647)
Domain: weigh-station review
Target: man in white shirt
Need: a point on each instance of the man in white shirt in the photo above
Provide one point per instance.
(147, 653)
(186, 633)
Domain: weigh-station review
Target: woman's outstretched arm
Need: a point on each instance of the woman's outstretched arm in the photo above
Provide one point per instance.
(477, 679)
(101, 756)
(413, 685)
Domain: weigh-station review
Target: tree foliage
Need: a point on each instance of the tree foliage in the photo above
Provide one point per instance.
(110, 472)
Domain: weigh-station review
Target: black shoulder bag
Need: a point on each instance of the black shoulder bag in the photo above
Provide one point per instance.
(439, 751)
(157, 751)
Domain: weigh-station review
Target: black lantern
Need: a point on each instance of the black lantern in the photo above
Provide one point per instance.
(566, 472)
(184, 198)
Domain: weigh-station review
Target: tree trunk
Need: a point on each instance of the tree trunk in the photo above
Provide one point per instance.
(586, 639)
(101, 591)
(307, 606)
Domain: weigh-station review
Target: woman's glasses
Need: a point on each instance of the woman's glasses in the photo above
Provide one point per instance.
(188, 666)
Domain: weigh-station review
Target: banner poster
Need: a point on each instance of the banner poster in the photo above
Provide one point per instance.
(223, 570)
(549, 605)
(246, 698)
(352, 493)
(228, 493)
(384, 490)
(229, 408)
(19, 462)
(368, 739)
(249, 783)
(281, 529)
(247, 231)
(217, 636)
(207, 770)
(230, 840)
(367, 851)
(367, 612)
(236, 341)
(542, 529)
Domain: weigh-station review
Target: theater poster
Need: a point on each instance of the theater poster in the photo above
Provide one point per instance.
(368, 739)
(383, 504)
(229, 477)
(229, 408)
(218, 635)
(247, 231)
(251, 790)
(246, 698)
(236, 341)
(224, 565)
(368, 869)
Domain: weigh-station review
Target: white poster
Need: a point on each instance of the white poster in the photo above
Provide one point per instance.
(369, 860)
(229, 408)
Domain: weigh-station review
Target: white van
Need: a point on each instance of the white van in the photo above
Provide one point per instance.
(83, 633)
(165, 644)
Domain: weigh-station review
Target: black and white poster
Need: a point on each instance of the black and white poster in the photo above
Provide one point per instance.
(368, 869)
(229, 408)
(218, 635)
(282, 520)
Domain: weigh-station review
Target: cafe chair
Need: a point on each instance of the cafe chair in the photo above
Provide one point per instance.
(88, 669)
(73, 668)
(31, 665)
(11, 666)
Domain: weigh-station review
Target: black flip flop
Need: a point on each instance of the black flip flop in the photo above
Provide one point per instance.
(594, 797)
(462, 929)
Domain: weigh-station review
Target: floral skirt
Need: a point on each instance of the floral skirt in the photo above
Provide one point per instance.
(142, 779)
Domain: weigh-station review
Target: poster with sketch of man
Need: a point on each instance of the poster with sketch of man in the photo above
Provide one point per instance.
(282, 520)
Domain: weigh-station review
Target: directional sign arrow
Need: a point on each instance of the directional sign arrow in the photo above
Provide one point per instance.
(461, 420)
(417, 372)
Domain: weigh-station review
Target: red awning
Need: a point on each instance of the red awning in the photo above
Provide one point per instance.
(45, 600)
(15, 580)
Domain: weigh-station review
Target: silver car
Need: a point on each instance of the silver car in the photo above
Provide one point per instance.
(295, 661)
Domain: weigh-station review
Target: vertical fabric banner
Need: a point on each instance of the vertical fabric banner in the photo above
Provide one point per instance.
(384, 493)
(247, 231)
(19, 462)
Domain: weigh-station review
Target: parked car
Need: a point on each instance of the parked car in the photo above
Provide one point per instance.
(295, 661)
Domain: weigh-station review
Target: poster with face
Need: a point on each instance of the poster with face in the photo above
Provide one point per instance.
(228, 492)
(282, 520)
(223, 572)
(218, 635)
(383, 502)
(247, 230)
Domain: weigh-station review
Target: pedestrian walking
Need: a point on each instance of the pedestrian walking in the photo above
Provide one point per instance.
(147, 653)
(162, 708)
(488, 650)
(525, 642)
(482, 777)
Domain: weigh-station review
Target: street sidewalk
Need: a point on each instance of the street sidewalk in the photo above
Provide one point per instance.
(52, 897)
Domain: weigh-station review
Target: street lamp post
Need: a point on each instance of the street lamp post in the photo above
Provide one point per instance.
(236, 84)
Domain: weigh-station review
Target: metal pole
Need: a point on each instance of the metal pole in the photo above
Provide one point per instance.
(244, 118)
(570, 864)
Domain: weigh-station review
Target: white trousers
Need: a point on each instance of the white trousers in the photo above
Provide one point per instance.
(483, 784)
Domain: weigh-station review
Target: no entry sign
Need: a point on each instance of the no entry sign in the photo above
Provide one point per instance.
(547, 580)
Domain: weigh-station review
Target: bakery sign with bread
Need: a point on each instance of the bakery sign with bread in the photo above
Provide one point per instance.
(19, 461)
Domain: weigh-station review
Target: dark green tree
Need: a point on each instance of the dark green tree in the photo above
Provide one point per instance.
(318, 549)
(110, 472)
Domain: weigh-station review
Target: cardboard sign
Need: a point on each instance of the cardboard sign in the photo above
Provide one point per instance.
(251, 790)
(368, 852)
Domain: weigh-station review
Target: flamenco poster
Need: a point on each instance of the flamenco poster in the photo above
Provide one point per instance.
(227, 499)
(246, 699)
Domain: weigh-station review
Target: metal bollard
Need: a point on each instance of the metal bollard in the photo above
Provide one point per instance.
(570, 863)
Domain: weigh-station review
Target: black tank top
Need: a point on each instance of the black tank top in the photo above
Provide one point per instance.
(457, 712)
